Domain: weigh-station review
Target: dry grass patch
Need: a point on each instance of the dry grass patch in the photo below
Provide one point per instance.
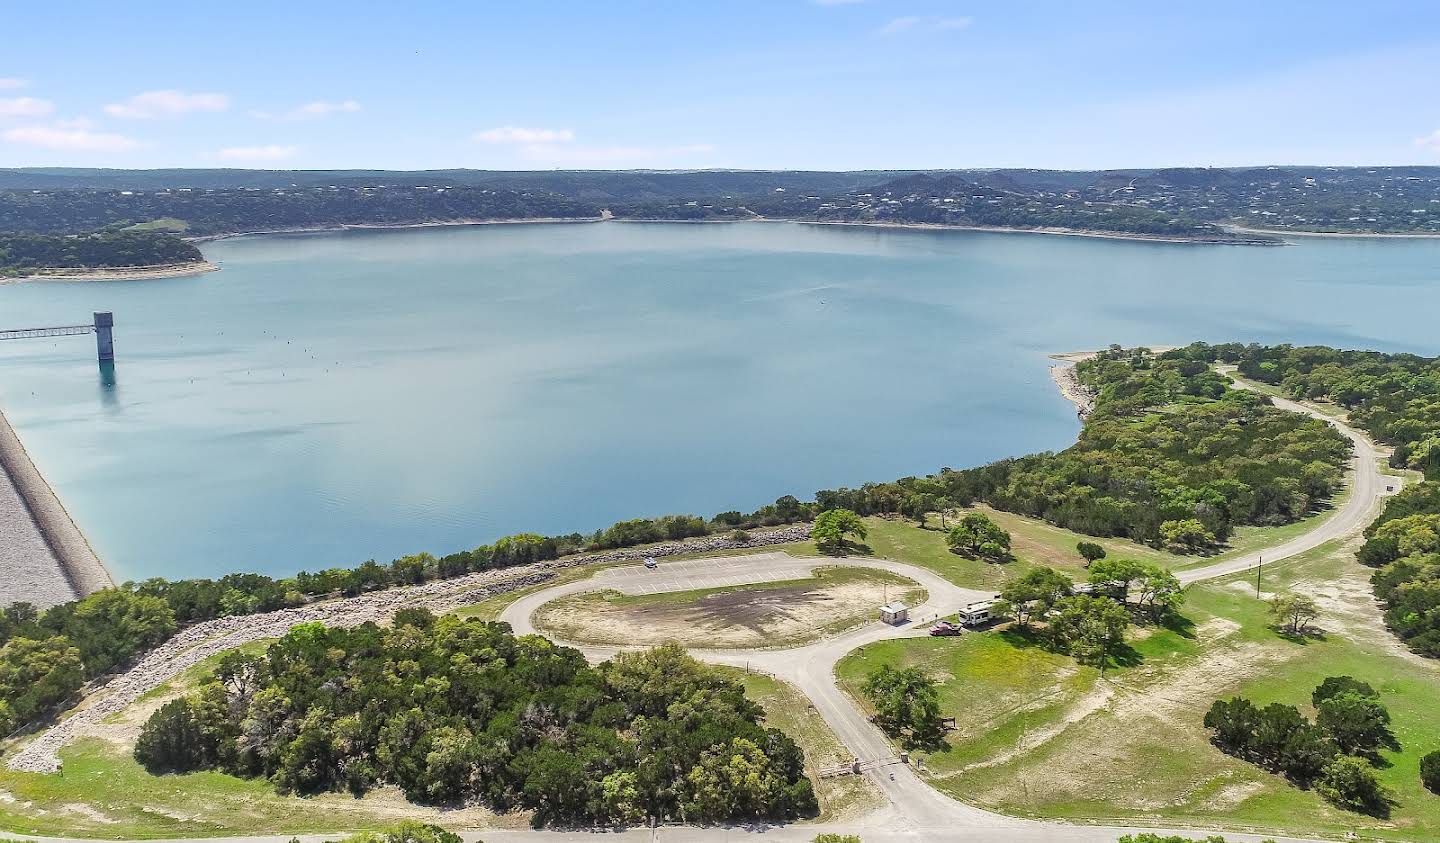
(778, 614)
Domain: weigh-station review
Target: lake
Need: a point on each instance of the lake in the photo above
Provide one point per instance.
(329, 398)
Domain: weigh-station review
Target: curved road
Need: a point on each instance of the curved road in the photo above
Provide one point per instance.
(917, 812)
(916, 807)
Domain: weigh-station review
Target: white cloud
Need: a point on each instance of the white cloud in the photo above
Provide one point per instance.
(1430, 141)
(10, 83)
(320, 109)
(166, 104)
(68, 139)
(310, 111)
(915, 23)
(75, 123)
(267, 152)
(516, 134)
(899, 25)
(25, 107)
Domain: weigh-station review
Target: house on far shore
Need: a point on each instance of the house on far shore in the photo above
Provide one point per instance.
(895, 613)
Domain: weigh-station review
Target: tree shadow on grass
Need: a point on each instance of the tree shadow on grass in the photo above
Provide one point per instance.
(1023, 637)
(849, 548)
(1302, 637)
(1179, 624)
(1123, 655)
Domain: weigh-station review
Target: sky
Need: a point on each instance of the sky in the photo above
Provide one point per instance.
(766, 84)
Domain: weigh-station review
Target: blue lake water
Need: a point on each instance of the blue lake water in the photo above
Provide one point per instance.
(325, 399)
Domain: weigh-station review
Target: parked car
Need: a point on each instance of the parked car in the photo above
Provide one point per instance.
(651, 563)
(945, 628)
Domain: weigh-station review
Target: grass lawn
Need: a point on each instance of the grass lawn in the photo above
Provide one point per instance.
(1039, 735)
(104, 793)
(785, 613)
(170, 224)
(841, 797)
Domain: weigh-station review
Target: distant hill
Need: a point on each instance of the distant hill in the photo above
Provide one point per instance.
(579, 184)
(1189, 202)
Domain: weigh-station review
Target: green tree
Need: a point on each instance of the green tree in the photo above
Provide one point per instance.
(1233, 724)
(731, 782)
(1114, 576)
(36, 675)
(407, 831)
(620, 795)
(1157, 591)
(1088, 628)
(1412, 534)
(172, 741)
(1090, 551)
(1430, 771)
(906, 702)
(1188, 535)
(1358, 724)
(1334, 686)
(919, 505)
(1293, 612)
(978, 537)
(833, 526)
(836, 838)
(1034, 592)
(1350, 783)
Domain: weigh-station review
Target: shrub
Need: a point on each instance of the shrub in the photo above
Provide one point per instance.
(1430, 771)
(1090, 551)
(1350, 783)
(408, 831)
(172, 740)
(1334, 686)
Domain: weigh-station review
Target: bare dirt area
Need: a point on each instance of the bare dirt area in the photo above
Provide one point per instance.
(1347, 605)
(1100, 744)
(779, 614)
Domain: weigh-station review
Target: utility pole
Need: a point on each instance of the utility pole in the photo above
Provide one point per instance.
(1259, 568)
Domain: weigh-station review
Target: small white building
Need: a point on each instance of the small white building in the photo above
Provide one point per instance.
(895, 613)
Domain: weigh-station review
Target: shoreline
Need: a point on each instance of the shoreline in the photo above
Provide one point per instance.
(117, 273)
(1344, 235)
(1067, 380)
(398, 226)
(1052, 231)
(77, 563)
(920, 226)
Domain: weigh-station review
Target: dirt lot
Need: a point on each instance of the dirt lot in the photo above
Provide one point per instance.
(773, 614)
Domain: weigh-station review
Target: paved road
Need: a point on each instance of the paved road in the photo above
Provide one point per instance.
(1367, 491)
(917, 809)
(917, 812)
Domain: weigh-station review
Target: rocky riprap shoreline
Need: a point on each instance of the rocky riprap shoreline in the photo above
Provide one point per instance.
(194, 644)
(1074, 391)
(44, 558)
